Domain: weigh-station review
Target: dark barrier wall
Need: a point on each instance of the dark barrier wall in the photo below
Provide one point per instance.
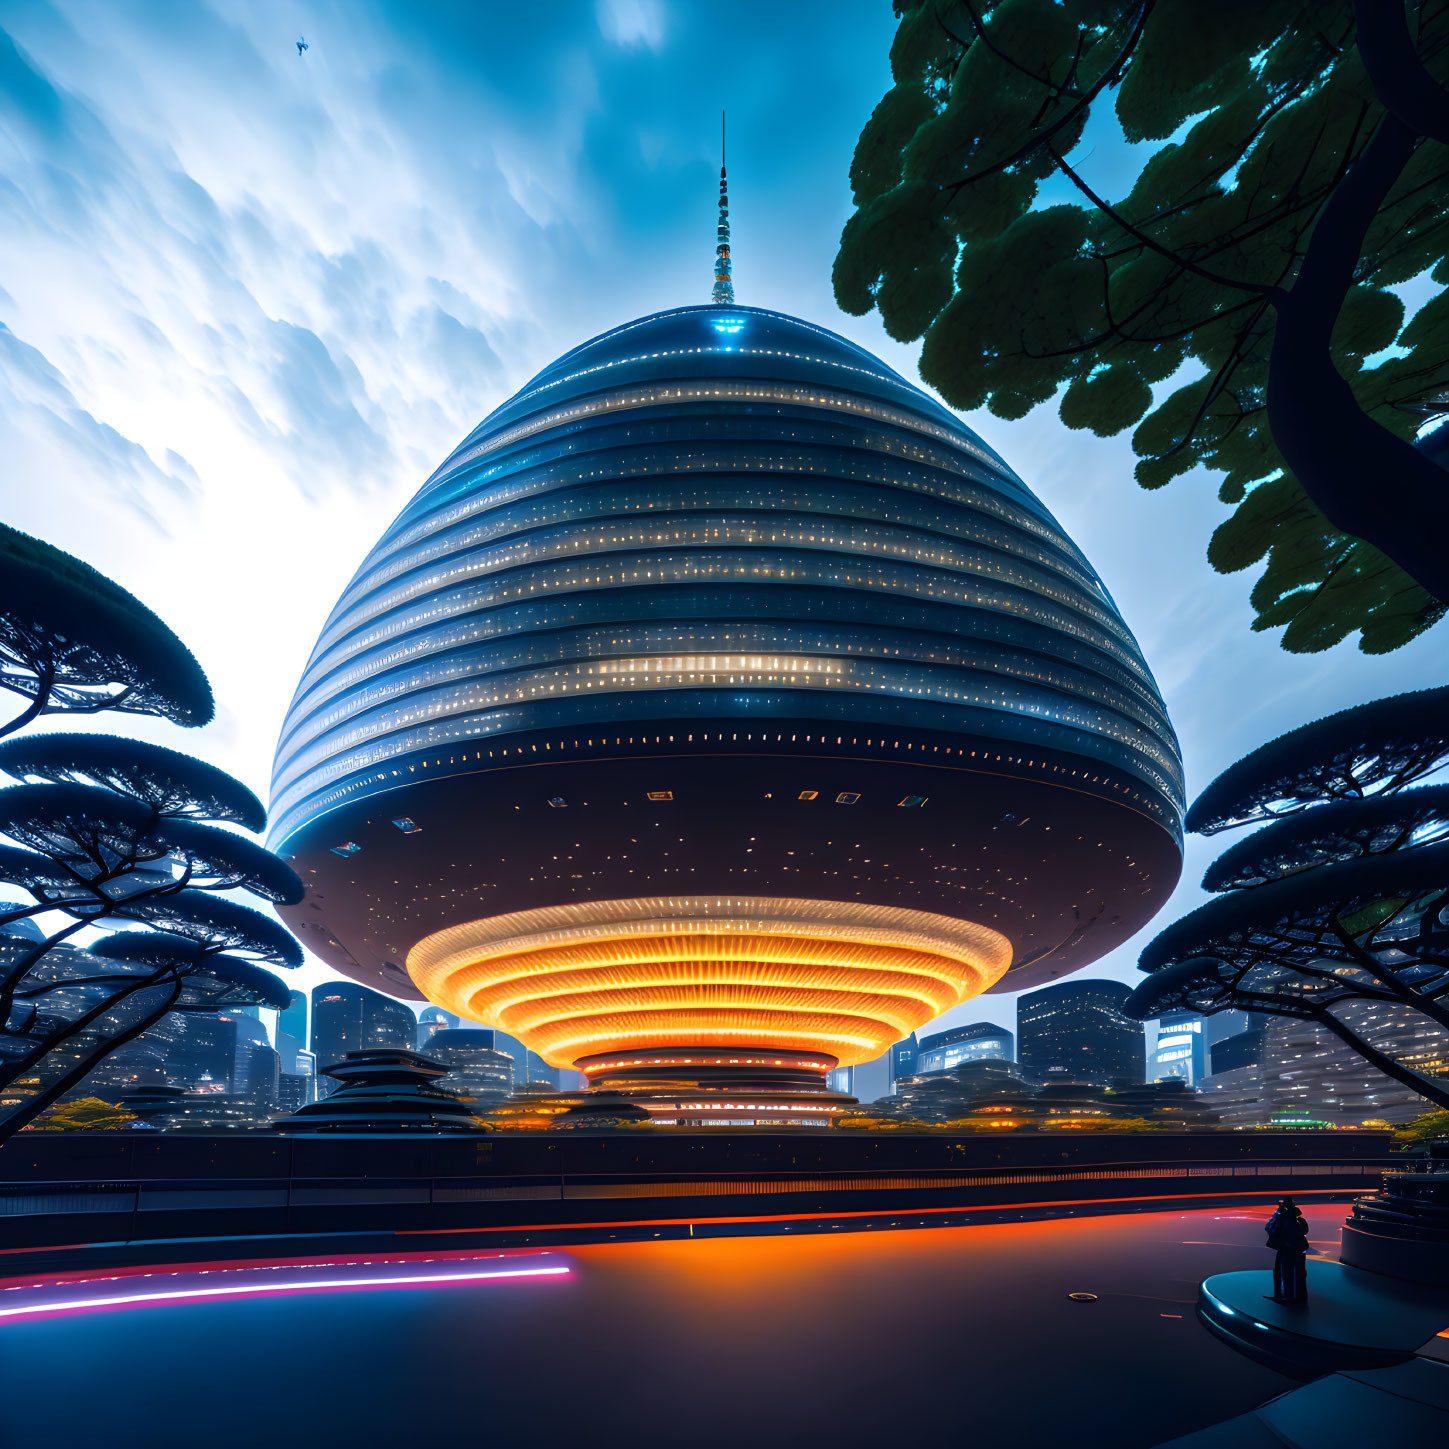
(82, 1157)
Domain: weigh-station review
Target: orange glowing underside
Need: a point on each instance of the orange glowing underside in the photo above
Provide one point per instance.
(832, 976)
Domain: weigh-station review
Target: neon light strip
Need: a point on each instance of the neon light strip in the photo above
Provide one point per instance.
(902, 1212)
(237, 1290)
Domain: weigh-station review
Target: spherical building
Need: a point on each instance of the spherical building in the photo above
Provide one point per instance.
(722, 696)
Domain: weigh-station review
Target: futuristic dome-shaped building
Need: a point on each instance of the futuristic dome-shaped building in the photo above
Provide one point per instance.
(722, 691)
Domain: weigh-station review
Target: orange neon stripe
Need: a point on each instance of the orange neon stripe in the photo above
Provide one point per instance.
(881, 1212)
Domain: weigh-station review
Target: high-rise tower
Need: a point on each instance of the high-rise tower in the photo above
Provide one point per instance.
(723, 703)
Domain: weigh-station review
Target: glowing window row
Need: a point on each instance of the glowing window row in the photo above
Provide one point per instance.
(709, 566)
(731, 671)
(716, 390)
(717, 530)
(318, 782)
(519, 650)
(720, 427)
(827, 616)
(876, 375)
(915, 463)
(558, 500)
(291, 813)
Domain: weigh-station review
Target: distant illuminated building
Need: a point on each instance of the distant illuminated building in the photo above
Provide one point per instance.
(902, 1057)
(293, 1091)
(722, 694)
(433, 1019)
(348, 1018)
(476, 1069)
(1077, 1031)
(1242, 1049)
(1180, 1051)
(981, 1041)
(292, 1030)
(1306, 1074)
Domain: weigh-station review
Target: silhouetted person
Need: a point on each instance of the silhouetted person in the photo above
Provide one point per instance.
(1288, 1237)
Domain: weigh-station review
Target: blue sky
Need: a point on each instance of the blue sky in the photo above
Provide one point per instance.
(250, 299)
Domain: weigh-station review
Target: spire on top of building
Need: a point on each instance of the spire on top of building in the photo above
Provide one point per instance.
(724, 288)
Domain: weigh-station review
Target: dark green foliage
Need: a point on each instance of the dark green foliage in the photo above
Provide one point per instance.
(1250, 117)
(168, 781)
(1301, 920)
(1384, 745)
(110, 846)
(71, 641)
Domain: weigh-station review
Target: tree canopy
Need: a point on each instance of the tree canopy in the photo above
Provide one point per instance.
(1346, 830)
(102, 829)
(1229, 295)
(1380, 746)
(1210, 984)
(169, 782)
(1321, 921)
(71, 641)
(1345, 901)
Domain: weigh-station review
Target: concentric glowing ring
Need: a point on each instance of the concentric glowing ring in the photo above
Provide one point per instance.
(831, 976)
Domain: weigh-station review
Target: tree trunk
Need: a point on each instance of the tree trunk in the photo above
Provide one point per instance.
(45, 681)
(1404, 88)
(1366, 481)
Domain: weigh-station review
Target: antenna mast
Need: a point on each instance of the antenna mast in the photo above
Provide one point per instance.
(724, 287)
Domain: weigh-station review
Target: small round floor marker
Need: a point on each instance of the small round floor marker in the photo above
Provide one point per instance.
(1082, 1297)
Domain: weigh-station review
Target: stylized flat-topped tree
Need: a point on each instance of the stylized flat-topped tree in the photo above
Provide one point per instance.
(99, 830)
(1343, 898)
(72, 642)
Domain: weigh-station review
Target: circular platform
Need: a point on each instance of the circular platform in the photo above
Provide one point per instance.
(1352, 1319)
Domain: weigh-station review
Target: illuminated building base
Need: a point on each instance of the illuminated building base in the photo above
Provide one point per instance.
(704, 1087)
(732, 974)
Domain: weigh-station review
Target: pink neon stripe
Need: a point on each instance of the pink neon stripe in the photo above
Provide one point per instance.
(238, 1289)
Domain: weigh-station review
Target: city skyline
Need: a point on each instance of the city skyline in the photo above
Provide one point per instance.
(259, 448)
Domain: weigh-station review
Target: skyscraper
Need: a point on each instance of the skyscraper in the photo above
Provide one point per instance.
(1243, 1049)
(349, 1018)
(476, 1069)
(1301, 1073)
(433, 1019)
(292, 1030)
(903, 1058)
(256, 1074)
(208, 1051)
(981, 1041)
(1076, 1031)
(1181, 1051)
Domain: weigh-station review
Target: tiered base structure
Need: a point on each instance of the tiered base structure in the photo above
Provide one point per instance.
(384, 1091)
(1403, 1229)
(721, 1087)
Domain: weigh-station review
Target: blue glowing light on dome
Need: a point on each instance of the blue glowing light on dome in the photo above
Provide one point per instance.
(729, 324)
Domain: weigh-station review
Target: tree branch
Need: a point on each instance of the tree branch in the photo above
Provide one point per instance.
(1107, 78)
(1365, 480)
(1423, 1086)
(1402, 85)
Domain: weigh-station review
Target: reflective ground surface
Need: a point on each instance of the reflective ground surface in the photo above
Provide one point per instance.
(931, 1338)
